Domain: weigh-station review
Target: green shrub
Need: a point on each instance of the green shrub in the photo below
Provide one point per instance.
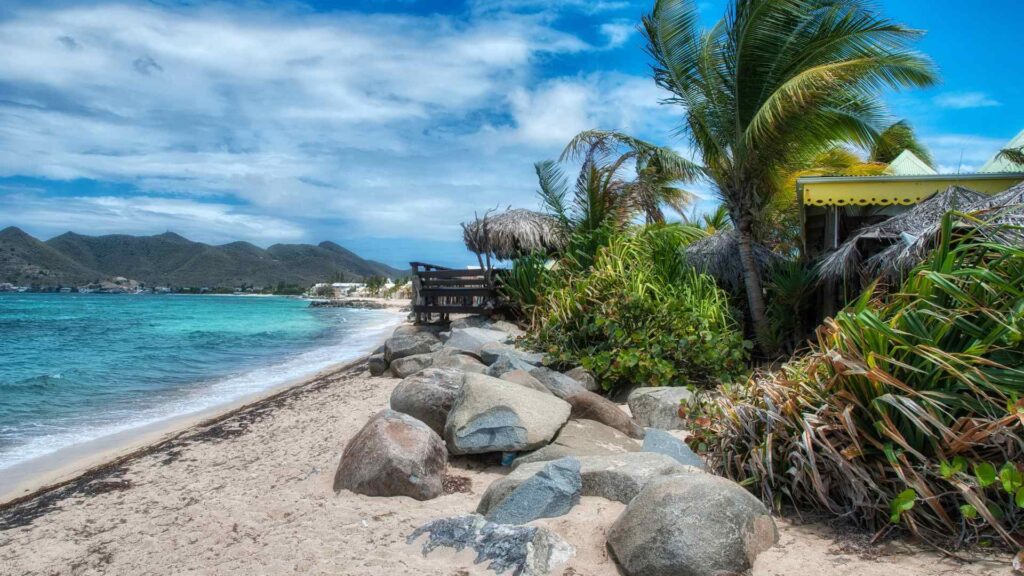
(524, 284)
(640, 315)
(909, 408)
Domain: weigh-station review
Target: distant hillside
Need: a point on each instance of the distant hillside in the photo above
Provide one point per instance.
(171, 260)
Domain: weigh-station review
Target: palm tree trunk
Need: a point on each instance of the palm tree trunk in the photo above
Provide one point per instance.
(752, 277)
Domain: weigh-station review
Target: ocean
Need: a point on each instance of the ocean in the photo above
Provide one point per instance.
(78, 367)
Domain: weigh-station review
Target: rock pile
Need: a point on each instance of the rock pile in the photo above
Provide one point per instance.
(469, 390)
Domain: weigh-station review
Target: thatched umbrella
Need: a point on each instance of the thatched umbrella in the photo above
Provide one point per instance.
(845, 262)
(513, 233)
(719, 256)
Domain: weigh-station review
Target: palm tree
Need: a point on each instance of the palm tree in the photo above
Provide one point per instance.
(894, 140)
(658, 170)
(770, 85)
(1015, 155)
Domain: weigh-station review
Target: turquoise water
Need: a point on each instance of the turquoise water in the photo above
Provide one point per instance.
(76, 367)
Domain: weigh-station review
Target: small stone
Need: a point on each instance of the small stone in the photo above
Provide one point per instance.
(491, 351)
(409, 365)
(377, 364)
(507, 364)
(549, 493)
(590, 406)
(523, 378)
(584, 376)
(559, 384)
(663, 442)
(582, 438)
(659, 407)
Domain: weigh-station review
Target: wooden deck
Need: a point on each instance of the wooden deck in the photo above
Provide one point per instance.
(439, 291)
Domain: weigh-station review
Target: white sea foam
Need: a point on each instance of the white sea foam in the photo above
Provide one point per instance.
(209, 395)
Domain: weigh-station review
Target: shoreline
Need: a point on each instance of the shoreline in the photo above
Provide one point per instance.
(30, 478)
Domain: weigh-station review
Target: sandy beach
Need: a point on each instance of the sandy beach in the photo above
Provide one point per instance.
(250, 492)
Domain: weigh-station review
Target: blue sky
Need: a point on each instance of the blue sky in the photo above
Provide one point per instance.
(378, 125)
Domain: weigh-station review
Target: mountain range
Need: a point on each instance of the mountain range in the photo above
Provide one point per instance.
(171, 260)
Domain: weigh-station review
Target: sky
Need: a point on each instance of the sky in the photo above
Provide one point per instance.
(380, 125)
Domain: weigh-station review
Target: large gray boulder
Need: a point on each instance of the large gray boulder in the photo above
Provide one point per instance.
(559, 384)
(523, 378)
(377, 364)
(525, 550)
(585, 377)
(508, 327)
(550, 493)
(405, 344)
(507, 364)
(491, 351)
(393, 455)
(582, 438)
(492, 415)
(409, 365)
(658, 407)
(406, 329)
(691, 525)
(463, 362)
(663, 442)
(474, 321)
(589, 406)
(618, 477)
(428, 396)
(473, 339)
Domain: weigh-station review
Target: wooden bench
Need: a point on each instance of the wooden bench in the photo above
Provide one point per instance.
(441, 291)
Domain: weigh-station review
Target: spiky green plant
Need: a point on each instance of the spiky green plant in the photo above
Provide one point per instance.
(908, 411)
(771, 84)
(523, 285)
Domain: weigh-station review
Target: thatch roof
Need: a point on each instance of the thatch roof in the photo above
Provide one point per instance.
(513, 233)
(1005, 208)
(719, 256)
(845, 262)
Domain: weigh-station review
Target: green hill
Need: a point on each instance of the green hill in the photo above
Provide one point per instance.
(171, 260)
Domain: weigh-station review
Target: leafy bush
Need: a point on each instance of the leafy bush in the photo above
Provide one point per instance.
(524, 284)
(640, 315)
(909, 408)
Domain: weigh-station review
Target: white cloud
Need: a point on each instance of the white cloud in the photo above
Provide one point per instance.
(618, 32)
(963, 100)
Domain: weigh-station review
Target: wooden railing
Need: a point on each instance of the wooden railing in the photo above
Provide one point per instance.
(441, 291)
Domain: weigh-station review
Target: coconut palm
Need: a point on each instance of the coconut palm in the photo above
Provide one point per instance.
(894, 140)
(658, 170)
(771, 84)
(1015, 155)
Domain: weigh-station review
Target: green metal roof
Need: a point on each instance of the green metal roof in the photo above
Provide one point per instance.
(908, 164)
(997, 164)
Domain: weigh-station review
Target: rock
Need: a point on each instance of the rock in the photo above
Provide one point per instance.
(406, 329)
(691, 525)
(618, 477)
(589, 406)
(507, 364)
(463, 362)
(583, 376)
(559, 384)
(658, 407)
(492, 415)
(474, 321)
(523, 378)
(409, 365)
(662, 442)
(582, 438)
(393, 455)
(491, 351)
(428, 396)
(402, 345)
(509, 328)
(550, 493)
(472, 339)
(377, 364)
(525, 550)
